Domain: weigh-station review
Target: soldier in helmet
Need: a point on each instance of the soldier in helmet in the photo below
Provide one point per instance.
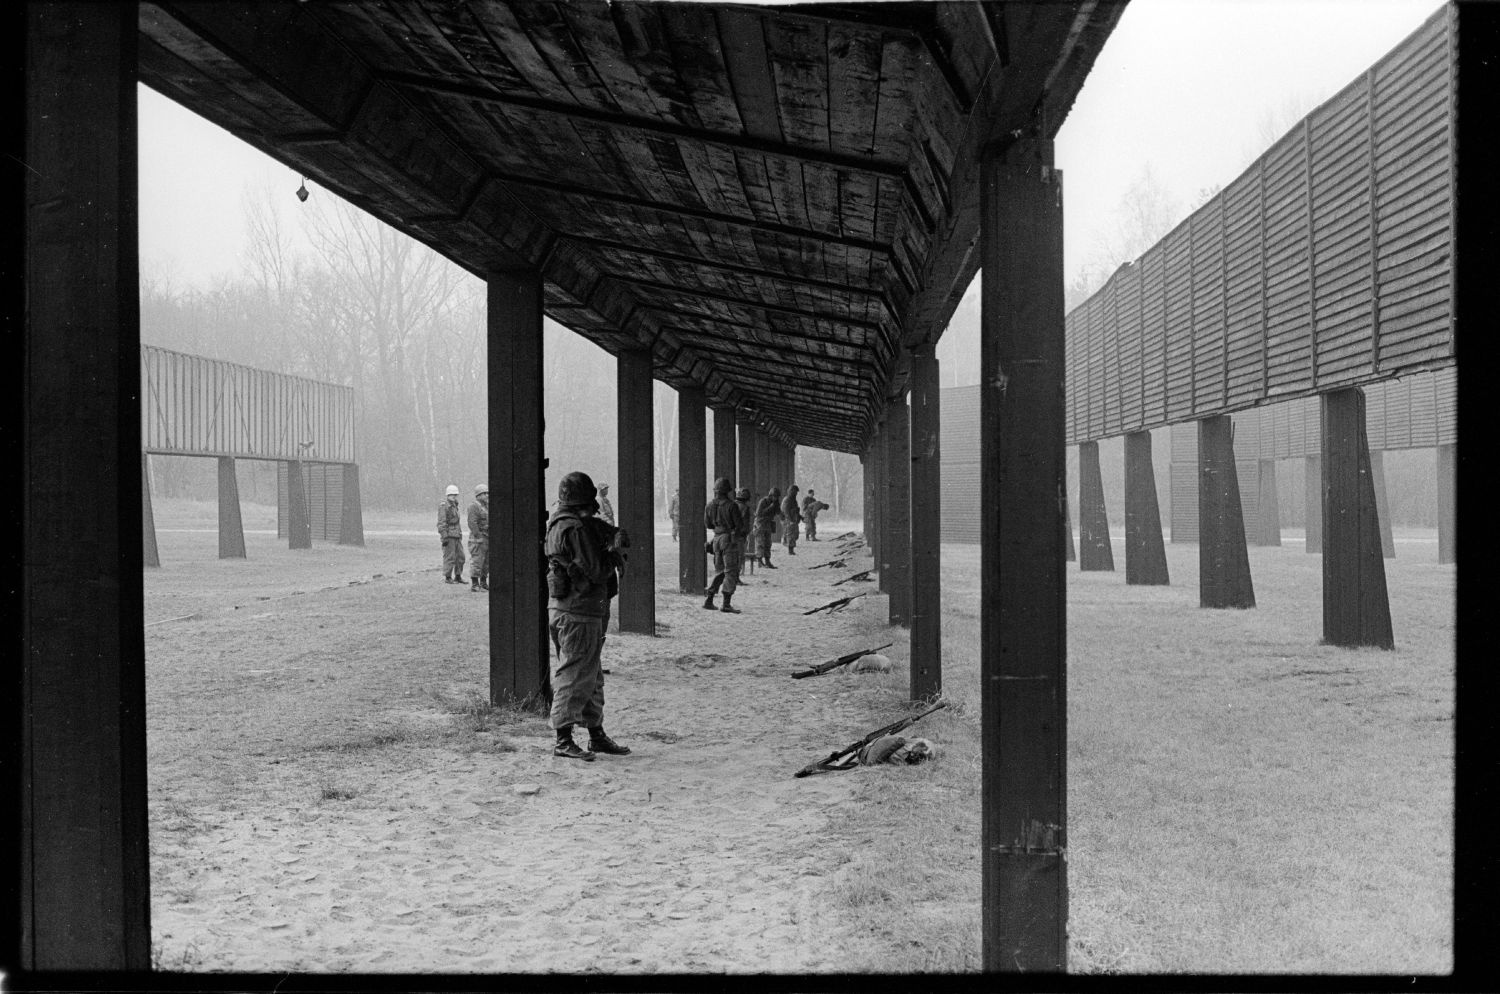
(766, 513)
(584, 556)
(479, 539)
(450, 530)
(724, 518)
(791, 513)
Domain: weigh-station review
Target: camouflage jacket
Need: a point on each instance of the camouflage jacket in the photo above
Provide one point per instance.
(479, 522)
(449, 523)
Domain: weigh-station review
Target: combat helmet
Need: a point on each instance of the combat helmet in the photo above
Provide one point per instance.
(722, 487)
(576, 490)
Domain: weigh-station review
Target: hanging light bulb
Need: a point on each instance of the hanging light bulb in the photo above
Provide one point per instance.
(302, 191)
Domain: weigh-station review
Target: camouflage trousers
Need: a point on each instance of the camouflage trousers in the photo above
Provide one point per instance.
(577, 669)
(479, 553)
(453, 556)
(729, 557)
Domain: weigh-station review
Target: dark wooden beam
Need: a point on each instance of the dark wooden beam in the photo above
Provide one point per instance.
(1145, 552)
(1447, 488)
(802, 155)
(1023, 604)
(520, 670)
(1267, 505)
(151, 556)
(298, 514)
(724, 452)
(83, 897)
(1095, 550)
(1223, 560)
(747, 477)
(352, 519)
(761, 305)
(895, 549)
(1356, 607)
(634, 424)
(692, 490)
(231, 526)
(926, 528)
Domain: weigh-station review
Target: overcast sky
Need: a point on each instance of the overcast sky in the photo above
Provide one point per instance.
(1182, 86)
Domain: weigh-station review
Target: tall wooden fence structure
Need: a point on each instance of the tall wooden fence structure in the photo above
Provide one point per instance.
(196, 406)
(1326, 267)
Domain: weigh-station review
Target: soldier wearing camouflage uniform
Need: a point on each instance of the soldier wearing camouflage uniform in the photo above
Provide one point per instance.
(451, 532)
(479, 539)
(584, 556)
(766, 513)
(792, 513)
(724, 518)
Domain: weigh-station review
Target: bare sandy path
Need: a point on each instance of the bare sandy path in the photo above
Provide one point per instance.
(319, 804)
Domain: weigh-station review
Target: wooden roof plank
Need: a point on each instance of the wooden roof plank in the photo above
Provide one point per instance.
(466, 33)
(693, 37)
(514, 44)
(615, 59)
(565, 55)
(744, 46)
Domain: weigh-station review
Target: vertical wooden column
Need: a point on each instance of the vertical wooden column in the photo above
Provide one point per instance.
(867, 500)
(637, 601)
(1223, 559)
(1069, 555)
(1267, 505)
(724, 453)
(298, 513)
(747, 477)
(1312, 486)
(895, 548)
(1023, 608)
(231, 526)
(519, 648)
(84, 889)
(877, 499)
(763, 474)
(149, 553)
(692, 490)
(1145, 552)
(352, 516)
(1356, 611)
(1447, 488)
(926, 528)
(1095, 552)
(1382, 503)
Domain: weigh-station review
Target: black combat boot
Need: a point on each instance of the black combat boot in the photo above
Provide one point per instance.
(599, 741)
(484, 582)
(567, 748)
(708, 602)
(728, 608)
(473, 584)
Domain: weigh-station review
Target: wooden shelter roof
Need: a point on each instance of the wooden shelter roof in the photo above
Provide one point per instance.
(779, 201)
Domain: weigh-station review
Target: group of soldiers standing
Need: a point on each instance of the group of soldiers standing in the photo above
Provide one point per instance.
(450, 530)
(739, 532)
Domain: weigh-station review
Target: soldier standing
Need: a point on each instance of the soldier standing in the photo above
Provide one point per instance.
(583, 559)
(793, 515)
(672, 512)
(606, 509)
(724, 518)
(810, 508)
(766, 513)
(479, 539)
(450, 530)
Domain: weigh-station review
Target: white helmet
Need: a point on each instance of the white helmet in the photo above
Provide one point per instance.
(452, 490)
(482, 488)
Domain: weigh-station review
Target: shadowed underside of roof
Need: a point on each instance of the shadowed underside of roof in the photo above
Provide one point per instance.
(778, 201)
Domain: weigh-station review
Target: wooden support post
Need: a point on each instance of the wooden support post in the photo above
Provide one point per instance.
(1023, 607)
(149, 553)
(877, 519)
(1069, 555)
(83, 893)
(724, 451)
(637, 600)
(352, 518)
(692, 490)
(1312, 487)
(1267, 506)
(519, 664)
(1095, 551)
(895, 549)
(867, 500)
(1447, 487)
(1223, 559)
(1382, 504)
(747, 476)
(1356, 611)
(763, 474)
(231, 526)
(298, 513)
(926, 528)
(1145, 552)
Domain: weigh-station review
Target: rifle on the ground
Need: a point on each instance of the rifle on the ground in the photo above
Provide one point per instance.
(834, 664)
(857, 577)
(847, 757)
(835, 563)
(840, 538)
(833, 606)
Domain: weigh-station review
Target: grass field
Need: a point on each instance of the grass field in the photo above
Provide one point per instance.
(1240, 797)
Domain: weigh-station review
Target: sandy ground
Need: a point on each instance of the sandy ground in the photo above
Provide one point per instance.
(319, 804)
